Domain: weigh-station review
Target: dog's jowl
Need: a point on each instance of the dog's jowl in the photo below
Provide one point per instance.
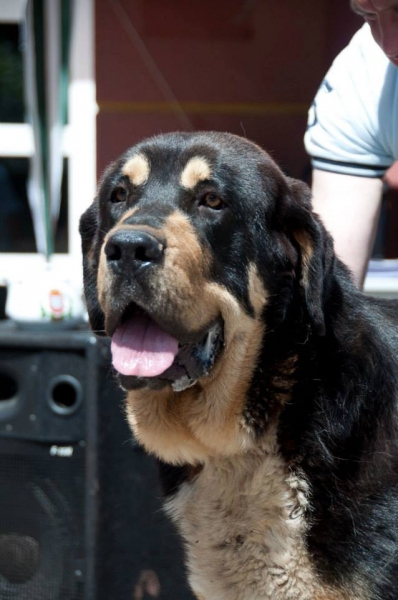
(260, 377)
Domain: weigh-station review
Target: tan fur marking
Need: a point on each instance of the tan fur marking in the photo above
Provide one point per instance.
(197, 169)
(257, 293)
(243, 522)
(307, 252)
(180, 284)
(283, 379)
(104, 281)
(137, 168)
(179, 427)
(127, 215)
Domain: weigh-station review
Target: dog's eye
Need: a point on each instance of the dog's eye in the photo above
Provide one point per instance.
(119, 195)
(212, 201)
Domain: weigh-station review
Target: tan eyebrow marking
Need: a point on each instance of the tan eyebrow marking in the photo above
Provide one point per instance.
(137, 169)
(197, 169)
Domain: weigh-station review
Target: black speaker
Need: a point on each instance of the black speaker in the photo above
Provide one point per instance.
(80, 503)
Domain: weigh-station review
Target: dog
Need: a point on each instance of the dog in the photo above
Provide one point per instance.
(263, 381)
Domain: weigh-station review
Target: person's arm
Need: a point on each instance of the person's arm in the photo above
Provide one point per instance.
(349, 207)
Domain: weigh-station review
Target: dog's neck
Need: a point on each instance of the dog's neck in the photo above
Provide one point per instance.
(252, 532)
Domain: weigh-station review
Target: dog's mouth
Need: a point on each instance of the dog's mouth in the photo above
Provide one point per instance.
(145, 354)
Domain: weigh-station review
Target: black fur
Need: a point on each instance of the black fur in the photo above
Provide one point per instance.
(339, 426)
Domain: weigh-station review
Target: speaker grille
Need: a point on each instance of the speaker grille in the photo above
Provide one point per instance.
(80, 505)
(41, 521)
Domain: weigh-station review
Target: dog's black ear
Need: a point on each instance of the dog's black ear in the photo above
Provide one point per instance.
(89, 228)
(315, 247)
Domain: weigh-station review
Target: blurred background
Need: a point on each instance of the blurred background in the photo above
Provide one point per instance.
(121, 70)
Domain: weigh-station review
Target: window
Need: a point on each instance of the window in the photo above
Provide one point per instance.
(17, 241)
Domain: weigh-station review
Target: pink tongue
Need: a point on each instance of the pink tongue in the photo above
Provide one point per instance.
(140, 348)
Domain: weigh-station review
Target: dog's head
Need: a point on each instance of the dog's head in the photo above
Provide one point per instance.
(192, 239)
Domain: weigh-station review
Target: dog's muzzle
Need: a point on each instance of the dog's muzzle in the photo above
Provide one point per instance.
(143, 352)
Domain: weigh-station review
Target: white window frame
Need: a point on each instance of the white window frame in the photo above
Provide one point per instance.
(79, 141)
(79, 146)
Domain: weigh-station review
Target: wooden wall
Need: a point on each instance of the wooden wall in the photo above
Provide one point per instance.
(250, 67)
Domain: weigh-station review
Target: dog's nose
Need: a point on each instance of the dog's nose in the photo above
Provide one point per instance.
(130, 249)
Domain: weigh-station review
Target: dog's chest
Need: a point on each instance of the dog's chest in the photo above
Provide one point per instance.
(243, 524)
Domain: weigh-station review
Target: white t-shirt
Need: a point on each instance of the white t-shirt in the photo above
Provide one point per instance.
(353, 122)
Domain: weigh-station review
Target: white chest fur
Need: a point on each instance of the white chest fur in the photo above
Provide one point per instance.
(243, 523)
